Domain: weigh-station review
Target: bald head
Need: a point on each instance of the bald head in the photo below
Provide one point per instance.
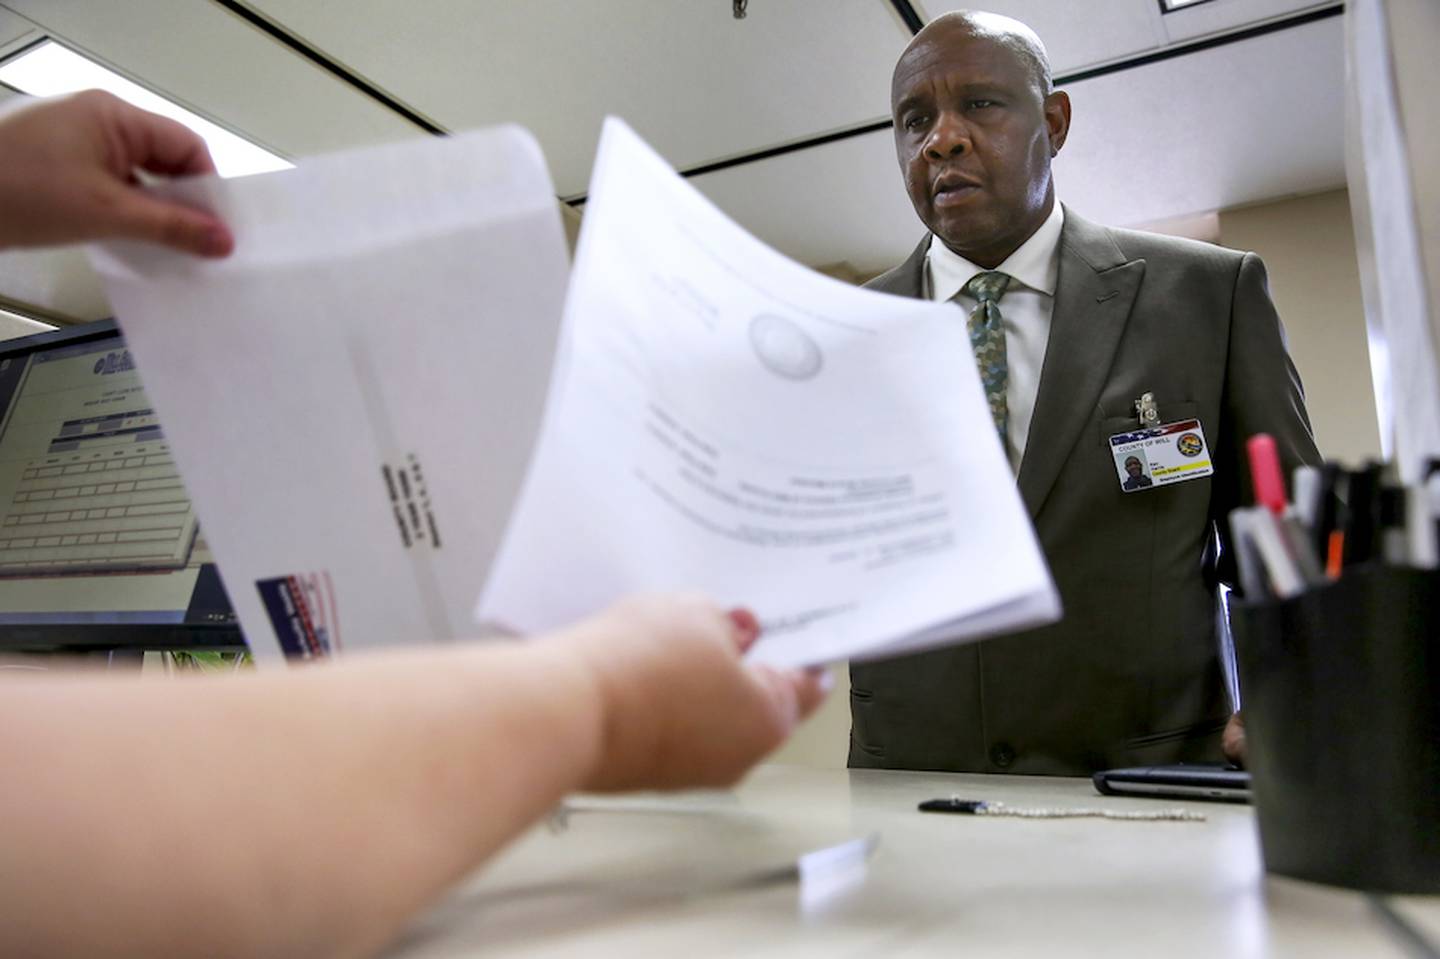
(1012, 35)
(976, 125)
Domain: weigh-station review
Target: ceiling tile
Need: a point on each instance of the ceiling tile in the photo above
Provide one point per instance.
(842, 202)
(1078, 35)
(225, 69)
(695, 82)
(1245, 122)
(15, 31)
(1219, 16)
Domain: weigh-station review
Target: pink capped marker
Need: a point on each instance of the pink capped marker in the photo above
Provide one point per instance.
(1265, 472)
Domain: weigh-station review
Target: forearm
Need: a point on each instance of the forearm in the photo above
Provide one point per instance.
(307, 813)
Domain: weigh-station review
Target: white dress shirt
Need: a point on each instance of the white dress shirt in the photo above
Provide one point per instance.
(1027, 305)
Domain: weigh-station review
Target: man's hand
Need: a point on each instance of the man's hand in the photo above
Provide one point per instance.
(679, 707)
(67, 176)
(1232, 740)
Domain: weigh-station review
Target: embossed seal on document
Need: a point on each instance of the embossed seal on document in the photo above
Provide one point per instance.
(784, 348)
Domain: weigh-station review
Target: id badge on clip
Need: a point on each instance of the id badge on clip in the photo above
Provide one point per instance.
(1160, 455)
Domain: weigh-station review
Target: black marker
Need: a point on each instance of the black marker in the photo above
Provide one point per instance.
(1362, 495)
(1327, 518)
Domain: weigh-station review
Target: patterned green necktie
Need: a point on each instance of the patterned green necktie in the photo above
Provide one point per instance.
(987, 339)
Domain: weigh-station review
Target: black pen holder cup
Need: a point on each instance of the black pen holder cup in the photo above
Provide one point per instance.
(1341, 698)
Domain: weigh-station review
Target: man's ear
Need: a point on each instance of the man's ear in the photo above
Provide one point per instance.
(1057, 119)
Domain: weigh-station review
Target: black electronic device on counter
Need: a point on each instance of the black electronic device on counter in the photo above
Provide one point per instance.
(1183, 781)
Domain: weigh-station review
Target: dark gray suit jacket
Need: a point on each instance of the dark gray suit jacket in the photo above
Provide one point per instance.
(1131, 675)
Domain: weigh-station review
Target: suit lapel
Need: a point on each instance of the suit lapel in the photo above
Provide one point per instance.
(907, 279)
(1095, 290)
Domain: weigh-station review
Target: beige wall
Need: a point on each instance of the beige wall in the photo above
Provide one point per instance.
(1308, 247)
(825, 739)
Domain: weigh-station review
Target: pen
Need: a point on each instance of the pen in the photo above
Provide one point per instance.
(1362, 493)
(1335, 554)
(1265, 472)
(1326, 519)
(1247, 557)
(1302, 549)
(1287, 572)
(954, 804)
(1432, 497)
(1420, 528)
(1304, 559)
(1394, 538)
(1306, 485)
(981, 807)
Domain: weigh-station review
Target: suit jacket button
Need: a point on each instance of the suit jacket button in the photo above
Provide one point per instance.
(1002, 755)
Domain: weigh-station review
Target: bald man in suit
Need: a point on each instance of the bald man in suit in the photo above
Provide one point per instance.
(1072, 324)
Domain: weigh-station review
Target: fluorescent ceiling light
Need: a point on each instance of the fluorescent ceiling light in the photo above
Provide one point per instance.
(51, 70)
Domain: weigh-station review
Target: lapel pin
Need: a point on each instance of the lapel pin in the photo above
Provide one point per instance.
(1146, 411)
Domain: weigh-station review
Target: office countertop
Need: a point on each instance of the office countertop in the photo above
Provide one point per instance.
(709, 874)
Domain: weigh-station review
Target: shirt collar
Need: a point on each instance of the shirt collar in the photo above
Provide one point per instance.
(1036, 263)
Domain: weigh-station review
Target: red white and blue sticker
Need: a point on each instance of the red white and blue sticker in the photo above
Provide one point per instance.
(1160, 455)
(302, 612)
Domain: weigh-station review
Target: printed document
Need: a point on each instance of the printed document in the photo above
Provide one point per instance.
(352, 396)
(725, 420)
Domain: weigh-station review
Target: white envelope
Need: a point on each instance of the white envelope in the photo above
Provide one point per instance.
(352, 396)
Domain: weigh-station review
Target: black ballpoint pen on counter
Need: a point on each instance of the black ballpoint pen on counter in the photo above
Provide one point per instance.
(983, 807)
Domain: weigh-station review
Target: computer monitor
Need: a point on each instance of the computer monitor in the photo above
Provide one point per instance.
(100, 546)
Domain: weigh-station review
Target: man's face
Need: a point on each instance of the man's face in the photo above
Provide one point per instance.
(974, 136)
(1132, 467)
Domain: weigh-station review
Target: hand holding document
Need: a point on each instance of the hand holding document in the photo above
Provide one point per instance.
(354, 395)
(726, 420)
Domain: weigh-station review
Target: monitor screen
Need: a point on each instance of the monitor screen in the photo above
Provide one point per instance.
(99, 544)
